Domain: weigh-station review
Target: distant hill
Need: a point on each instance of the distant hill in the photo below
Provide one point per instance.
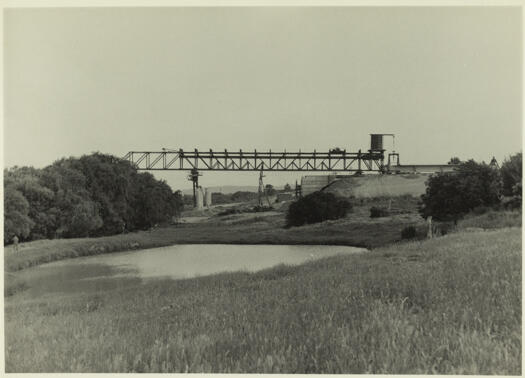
(226, 189)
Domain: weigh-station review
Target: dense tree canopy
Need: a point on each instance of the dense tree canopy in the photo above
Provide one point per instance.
(511, 174)
(94, 195)
(16, 218)
(450, 195)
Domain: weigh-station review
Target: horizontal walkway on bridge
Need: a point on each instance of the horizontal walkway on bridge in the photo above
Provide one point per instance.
(339, 161)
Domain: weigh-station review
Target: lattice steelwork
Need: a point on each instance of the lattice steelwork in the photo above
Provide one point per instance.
(340, 161)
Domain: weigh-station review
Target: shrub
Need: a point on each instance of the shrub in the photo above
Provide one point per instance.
(408, 232)
(377, 212)
(229, 212)
(316, 207)
(451, 195)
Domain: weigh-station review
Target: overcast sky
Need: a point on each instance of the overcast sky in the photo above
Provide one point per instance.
(446, 81)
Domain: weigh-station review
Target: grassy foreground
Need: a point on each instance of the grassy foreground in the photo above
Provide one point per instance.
(450, 305)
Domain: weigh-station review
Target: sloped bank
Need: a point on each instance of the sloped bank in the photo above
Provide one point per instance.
(370, 186)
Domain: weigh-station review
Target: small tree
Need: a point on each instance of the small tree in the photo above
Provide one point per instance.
(451, 195)
(269, 189)
(454, 161)
(287, 188)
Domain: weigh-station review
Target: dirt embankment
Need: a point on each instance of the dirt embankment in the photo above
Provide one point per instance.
(379, 186)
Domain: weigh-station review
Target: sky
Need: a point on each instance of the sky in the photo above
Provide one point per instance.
(446, 81)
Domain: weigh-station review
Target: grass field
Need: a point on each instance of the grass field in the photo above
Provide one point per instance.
(492, 220)
(450, 305)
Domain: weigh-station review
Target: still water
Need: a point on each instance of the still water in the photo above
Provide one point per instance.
(176, 262)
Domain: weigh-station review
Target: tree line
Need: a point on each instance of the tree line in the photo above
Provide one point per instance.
(94, 195)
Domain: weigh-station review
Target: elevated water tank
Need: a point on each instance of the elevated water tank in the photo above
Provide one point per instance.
(376, 142)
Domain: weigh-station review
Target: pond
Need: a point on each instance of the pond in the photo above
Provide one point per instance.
(175, 262)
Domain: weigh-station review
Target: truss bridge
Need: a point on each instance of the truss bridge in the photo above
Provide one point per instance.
(335, 160)
(180, 160)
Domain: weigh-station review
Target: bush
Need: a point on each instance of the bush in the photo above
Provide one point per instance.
(229, 212)
(377, 212)
(316, 207)
(451, 195)
(408, 232)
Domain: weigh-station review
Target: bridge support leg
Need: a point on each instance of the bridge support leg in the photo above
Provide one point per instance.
(194, 177)
(261, 188)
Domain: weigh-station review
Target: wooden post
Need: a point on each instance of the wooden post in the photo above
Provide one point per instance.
(429, 221)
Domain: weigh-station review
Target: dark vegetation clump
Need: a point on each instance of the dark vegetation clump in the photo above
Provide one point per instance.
(260, 209)
(408, 232)
(474, 188)
(378, 212)
(94, 195)
(316, 207)
(229, 212)
(450, 196)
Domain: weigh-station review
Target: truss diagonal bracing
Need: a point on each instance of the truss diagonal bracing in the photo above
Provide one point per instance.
(180, 160)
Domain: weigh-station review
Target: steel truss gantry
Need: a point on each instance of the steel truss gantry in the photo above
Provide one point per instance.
(180, 160)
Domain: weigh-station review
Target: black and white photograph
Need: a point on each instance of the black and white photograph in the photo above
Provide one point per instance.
(236, 188)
